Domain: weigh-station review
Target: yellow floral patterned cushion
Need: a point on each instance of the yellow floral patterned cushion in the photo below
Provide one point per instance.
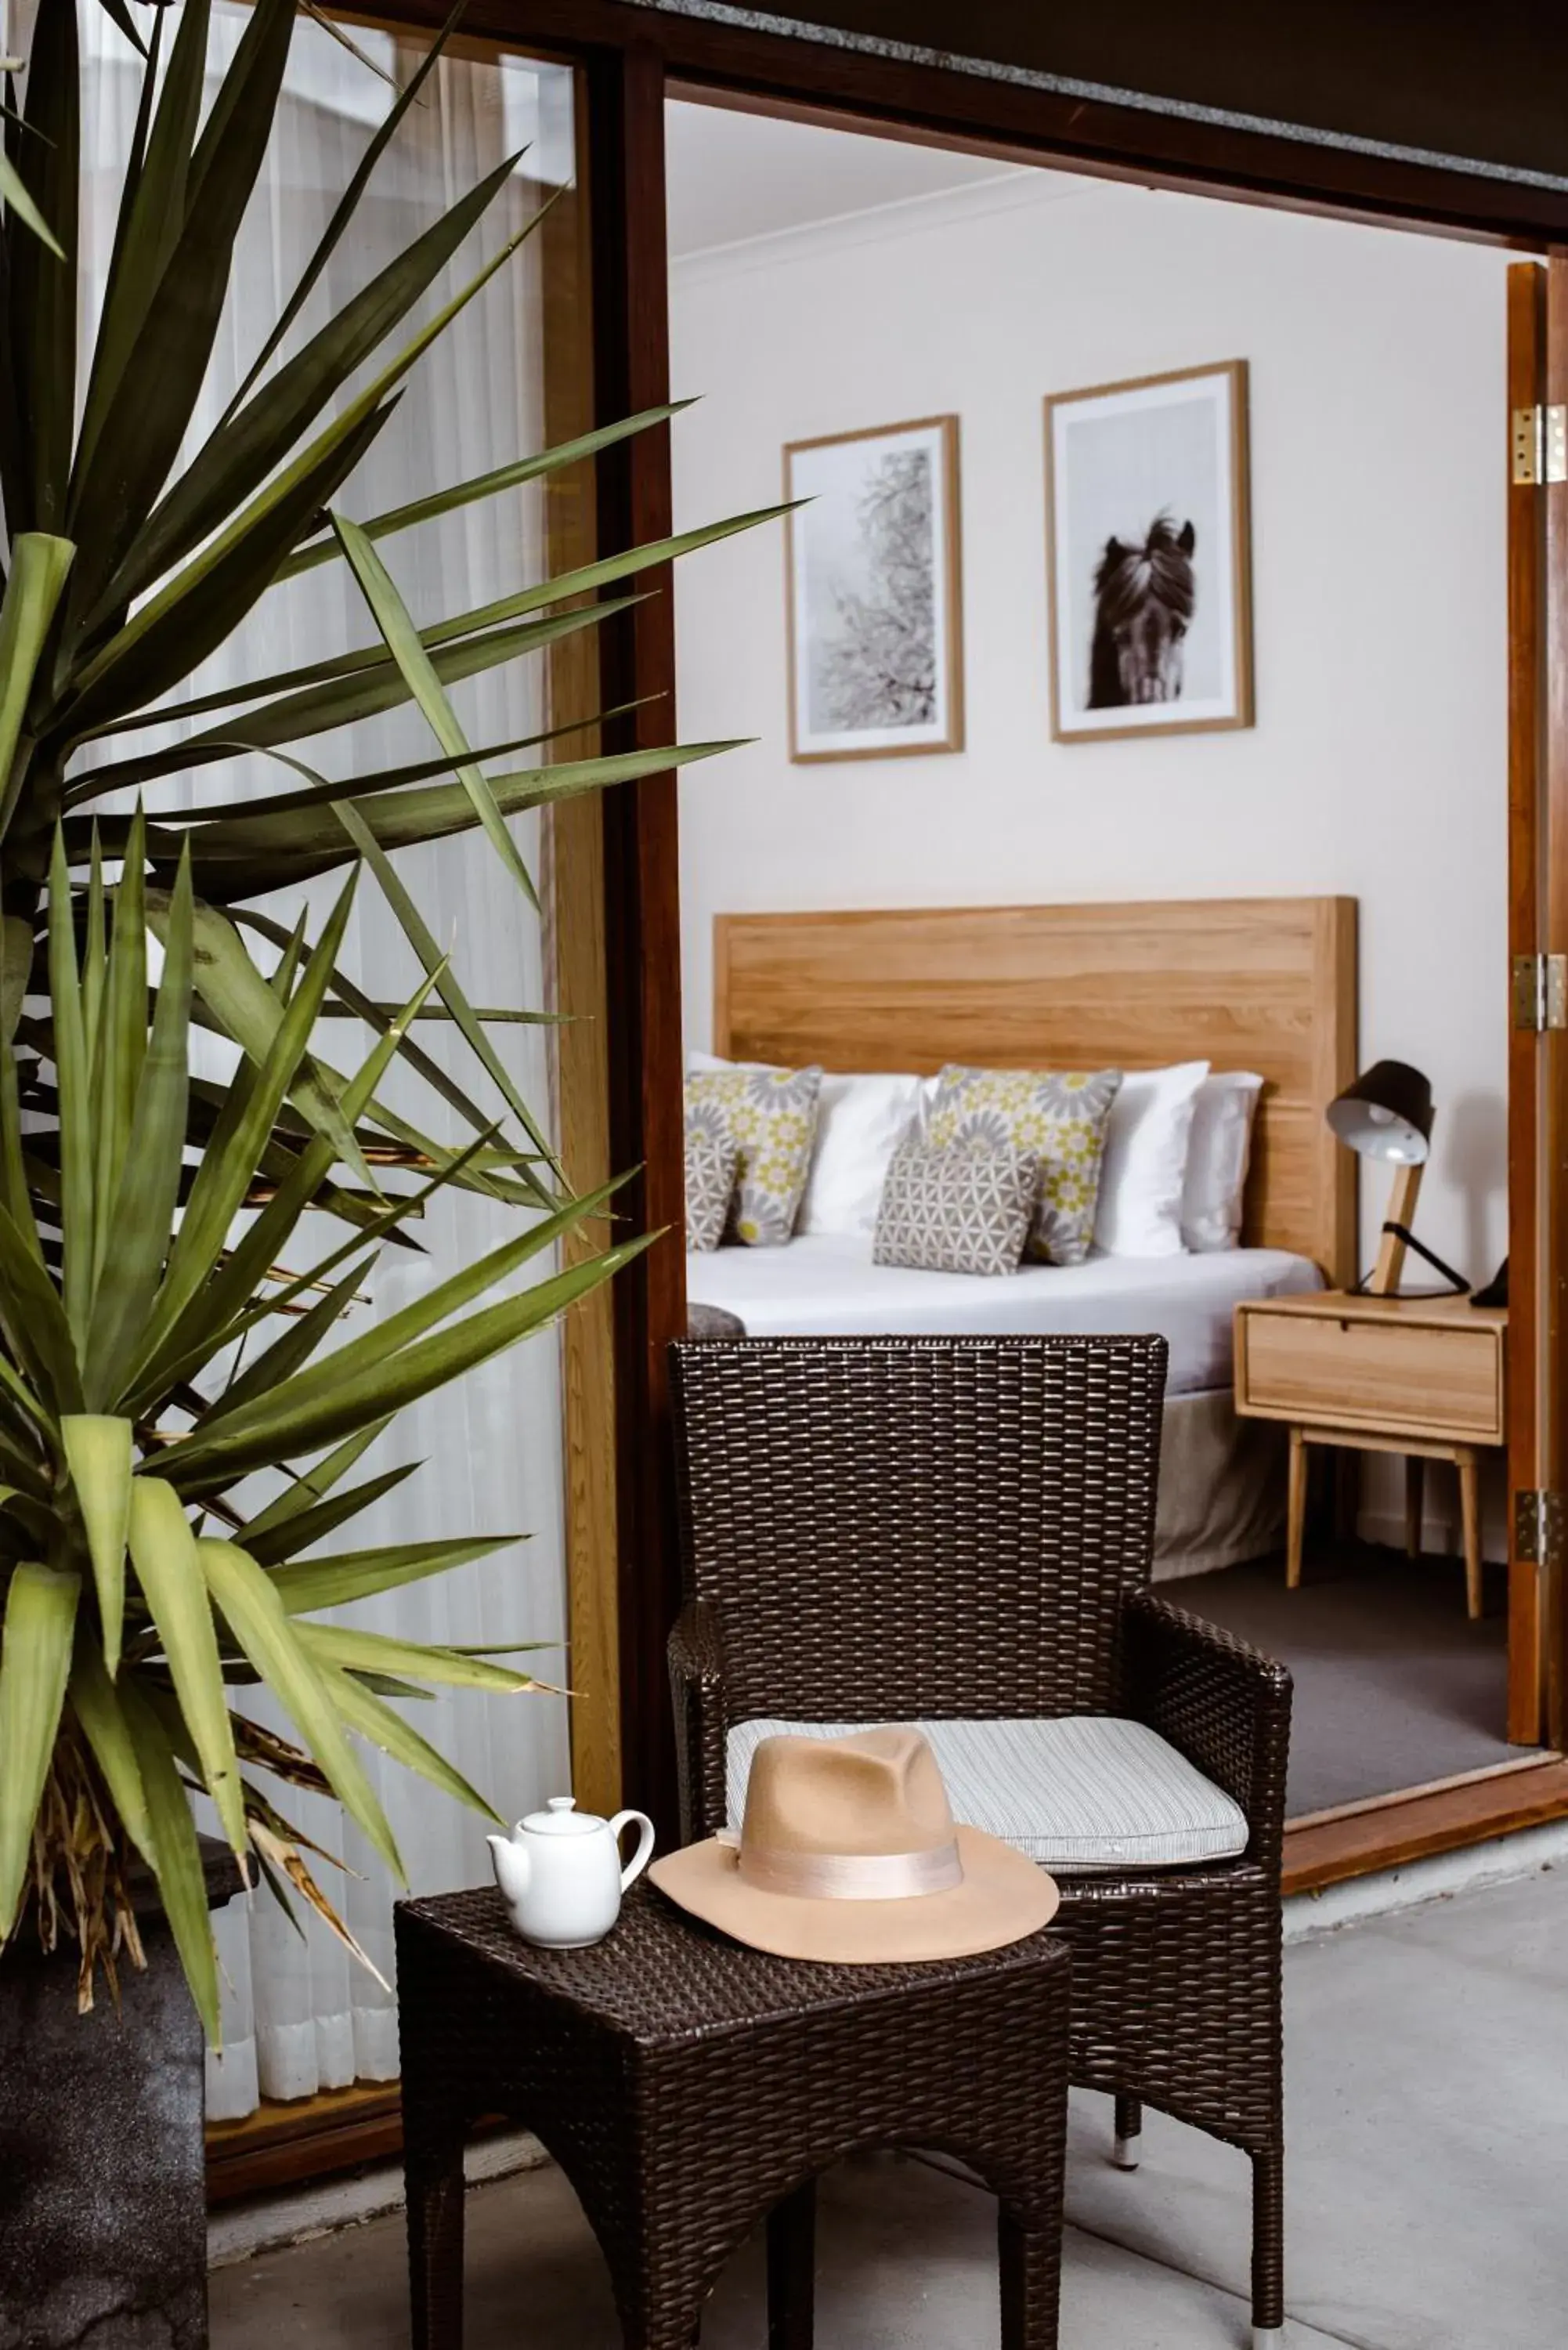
(1056, 1117)
(768, 1117)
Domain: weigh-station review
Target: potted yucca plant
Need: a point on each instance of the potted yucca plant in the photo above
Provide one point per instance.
(166, 1501)
(180, 1420)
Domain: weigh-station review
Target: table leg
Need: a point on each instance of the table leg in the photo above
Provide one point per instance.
(792, 2270)
(1469, 1511)
(1030, 2258)
(433, 2178)
(1415, 1503)
(1296, 1521)
(1346, 1493)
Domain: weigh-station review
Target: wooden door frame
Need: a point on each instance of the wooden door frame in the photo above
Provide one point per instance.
(1551, 866)
(631, 57)
(628, 955)
(1527, 287)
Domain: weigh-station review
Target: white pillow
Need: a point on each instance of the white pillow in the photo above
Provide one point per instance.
(1217, 1156)
(860, 1122)
(1139, 1208)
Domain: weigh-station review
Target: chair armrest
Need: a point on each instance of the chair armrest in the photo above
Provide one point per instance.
(1222, 1703)
(702, 1722)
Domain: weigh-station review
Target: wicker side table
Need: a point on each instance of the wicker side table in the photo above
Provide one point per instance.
(688, 2087)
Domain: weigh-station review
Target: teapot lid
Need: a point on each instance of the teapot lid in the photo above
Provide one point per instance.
(561, 1818)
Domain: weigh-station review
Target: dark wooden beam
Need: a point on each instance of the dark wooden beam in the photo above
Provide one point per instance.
(642, 895)
(1018, 116)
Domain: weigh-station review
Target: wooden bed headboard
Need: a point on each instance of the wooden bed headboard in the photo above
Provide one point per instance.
(1264, 983)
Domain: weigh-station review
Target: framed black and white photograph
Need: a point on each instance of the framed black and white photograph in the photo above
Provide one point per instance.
(874, 660)
(1147, 546)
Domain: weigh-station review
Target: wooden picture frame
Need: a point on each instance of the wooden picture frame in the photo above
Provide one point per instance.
(831, 540)
(1148, 555)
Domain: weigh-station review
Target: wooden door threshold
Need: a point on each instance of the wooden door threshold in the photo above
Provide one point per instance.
(281, 2145)
(1389, 1831)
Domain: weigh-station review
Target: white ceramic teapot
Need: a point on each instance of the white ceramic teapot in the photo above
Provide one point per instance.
(560, 1872)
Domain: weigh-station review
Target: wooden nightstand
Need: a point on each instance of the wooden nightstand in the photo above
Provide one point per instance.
(1420, 1376)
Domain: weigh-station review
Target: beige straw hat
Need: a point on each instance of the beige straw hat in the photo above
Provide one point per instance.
(849, 1853)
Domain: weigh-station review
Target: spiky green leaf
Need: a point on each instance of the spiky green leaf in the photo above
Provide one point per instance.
(175, 1856)
(370, 1719)
(34, 1664)
(100, 1455)
(377, 1652)
(142, 1208)
(96, 1705)
(281, 1424)
(244, 1593)
(312, 1584)
(39, 565)
(163, 1550)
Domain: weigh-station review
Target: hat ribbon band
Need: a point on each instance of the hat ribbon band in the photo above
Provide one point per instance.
(852, 1875)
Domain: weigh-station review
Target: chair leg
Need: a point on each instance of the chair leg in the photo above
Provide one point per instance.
(1029, 2258)
(1268, 2249)
(1125, 2148)
(792, 2270)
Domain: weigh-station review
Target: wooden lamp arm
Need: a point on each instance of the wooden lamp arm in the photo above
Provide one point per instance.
(1389, 1270)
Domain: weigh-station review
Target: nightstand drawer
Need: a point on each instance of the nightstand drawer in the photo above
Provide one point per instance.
(1330, 1371)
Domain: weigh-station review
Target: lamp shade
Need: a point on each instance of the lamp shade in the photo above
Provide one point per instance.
(1385, 1114)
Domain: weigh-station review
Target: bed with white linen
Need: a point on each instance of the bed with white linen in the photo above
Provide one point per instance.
(1221, 1492)
(826, 1286)
(1260, 985)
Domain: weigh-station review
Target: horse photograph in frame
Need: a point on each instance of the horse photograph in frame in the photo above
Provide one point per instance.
(873, 596)
(1147, 555)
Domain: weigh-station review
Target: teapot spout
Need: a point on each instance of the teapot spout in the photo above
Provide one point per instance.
(510, 1864)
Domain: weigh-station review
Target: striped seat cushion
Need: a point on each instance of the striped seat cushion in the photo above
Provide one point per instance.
(1087, 1791)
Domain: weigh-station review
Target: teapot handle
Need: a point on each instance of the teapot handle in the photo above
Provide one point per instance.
(644, 1853)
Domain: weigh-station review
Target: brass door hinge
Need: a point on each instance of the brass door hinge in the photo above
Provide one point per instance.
(1539, 1525)
(1540, 990)
(1540, 446)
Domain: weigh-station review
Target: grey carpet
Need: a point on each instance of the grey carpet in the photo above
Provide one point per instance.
(1393, 1685)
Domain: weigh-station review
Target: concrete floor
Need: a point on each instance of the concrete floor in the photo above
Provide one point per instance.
(1428, 2182)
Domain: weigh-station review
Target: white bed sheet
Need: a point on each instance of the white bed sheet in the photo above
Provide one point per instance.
(824, 1285)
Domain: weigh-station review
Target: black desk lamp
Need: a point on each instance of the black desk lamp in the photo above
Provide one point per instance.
(1387, 1115)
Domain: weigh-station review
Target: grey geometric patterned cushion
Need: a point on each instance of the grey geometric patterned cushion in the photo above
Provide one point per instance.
(710, 1168)
(1087, 1791)
(954, 1210)
(1059, 1117)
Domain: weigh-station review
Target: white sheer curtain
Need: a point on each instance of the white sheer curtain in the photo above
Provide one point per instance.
(300, 2015)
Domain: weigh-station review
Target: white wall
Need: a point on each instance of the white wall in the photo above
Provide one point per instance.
(1377, 765)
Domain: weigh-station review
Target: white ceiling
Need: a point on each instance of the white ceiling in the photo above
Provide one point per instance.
(735, 176)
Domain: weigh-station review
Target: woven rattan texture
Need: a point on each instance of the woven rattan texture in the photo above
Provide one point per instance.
(687, 2085)
(893, 1529)
(1024, 1477)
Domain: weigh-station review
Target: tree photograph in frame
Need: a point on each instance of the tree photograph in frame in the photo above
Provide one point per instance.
(1147, 544)
(874, 656)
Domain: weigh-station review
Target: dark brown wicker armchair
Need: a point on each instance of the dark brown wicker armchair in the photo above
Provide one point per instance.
(898, 1529)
